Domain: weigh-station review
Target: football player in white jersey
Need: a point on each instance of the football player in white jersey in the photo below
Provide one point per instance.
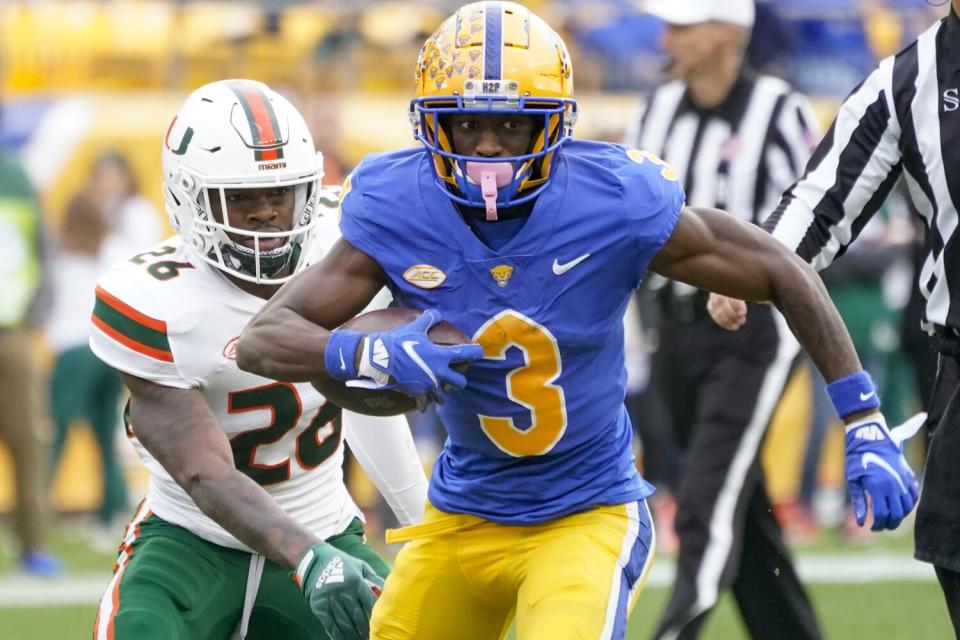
(245, 472)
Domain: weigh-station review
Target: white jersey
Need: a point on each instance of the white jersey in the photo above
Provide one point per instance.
(166, 316)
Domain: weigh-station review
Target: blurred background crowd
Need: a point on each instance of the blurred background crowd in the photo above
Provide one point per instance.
(86, 92)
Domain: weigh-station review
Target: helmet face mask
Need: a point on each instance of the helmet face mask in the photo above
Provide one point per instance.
(262, 250)
(229, 137)
(494, 58)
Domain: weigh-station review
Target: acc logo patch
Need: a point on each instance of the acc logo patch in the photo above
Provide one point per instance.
(425, 276)
(501, 273)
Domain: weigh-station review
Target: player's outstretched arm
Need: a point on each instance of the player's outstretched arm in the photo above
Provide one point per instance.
(713, 250)
(178, 428)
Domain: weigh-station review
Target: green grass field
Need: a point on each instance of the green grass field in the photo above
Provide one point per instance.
(893, 610)
(881, 611)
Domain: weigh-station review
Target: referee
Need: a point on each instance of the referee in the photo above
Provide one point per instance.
(737, 140)
(902, 122)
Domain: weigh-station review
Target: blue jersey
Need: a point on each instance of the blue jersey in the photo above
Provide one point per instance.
(540, 430)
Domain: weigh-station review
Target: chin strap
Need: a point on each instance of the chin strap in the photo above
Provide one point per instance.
(490, 176)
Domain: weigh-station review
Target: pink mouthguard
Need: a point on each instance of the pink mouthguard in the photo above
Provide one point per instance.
(490, 176)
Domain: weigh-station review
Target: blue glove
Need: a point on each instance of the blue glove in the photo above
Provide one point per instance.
(340, 590)
(405, 359)
(875, 465)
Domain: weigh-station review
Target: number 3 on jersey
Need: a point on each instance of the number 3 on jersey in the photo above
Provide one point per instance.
(639, 156)
(530, 385)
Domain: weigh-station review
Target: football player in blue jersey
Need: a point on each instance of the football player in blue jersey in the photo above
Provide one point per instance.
(532, 243)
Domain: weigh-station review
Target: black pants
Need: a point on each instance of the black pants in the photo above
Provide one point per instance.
(937, 527)
(950, 584)
(721, 389)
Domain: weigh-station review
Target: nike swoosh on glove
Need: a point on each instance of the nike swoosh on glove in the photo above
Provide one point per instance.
(407, 360)
(340, 590)
(875, 465)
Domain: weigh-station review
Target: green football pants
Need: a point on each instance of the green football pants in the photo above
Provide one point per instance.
(173, 585)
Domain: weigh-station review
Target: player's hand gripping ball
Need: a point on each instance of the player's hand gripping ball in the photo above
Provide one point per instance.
(386, 402)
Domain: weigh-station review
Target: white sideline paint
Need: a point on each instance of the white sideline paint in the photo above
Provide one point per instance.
(23, 591)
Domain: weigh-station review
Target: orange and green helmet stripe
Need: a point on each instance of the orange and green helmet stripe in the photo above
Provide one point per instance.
(129, 327)
(264, 129)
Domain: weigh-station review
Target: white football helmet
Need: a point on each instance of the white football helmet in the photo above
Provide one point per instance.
(235, 134)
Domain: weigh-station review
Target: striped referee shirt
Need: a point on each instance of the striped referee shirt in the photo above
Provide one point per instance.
(739, 155)
(903, 120)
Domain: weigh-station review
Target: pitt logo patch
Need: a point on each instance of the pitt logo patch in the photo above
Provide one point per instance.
(425, 276)
(501, 273)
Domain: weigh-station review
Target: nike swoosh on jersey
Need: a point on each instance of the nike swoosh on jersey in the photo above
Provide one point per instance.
(408, 346)
(872, 458)
(560, 269)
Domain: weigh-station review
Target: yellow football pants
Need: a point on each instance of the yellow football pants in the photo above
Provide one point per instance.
(464, 577)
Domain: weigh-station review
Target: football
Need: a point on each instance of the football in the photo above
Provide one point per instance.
(374, 402)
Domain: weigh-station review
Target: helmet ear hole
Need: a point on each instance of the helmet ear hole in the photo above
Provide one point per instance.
(185, 181)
